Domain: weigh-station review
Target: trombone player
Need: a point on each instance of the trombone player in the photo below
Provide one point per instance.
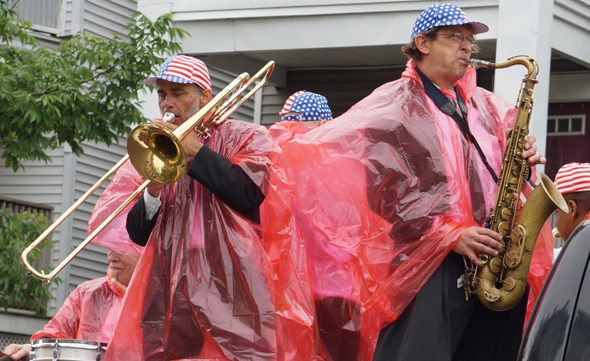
(202, 288)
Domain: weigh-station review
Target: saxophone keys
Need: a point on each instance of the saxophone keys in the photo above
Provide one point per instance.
(492, 295)
(503, 248)
(508, 284)
(496, 265)
(503, 228)
(509, 198)
(506, 213)
(511, 259)
(518, 235)
(513, 183)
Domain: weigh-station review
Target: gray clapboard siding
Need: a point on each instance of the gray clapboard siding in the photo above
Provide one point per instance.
(272, 102)
(103, 18)
(90, 167)
(219, 80)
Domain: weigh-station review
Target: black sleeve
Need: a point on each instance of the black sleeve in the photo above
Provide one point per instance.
(228, 182)
(138, 227)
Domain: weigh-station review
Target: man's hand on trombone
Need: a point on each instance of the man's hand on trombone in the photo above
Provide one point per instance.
(191, 145)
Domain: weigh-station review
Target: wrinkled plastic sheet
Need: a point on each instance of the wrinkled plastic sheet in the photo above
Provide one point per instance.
(89, 313)
(369, 204)
(204, 288)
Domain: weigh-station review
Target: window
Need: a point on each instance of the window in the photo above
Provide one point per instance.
(566, 125)
(43, 14)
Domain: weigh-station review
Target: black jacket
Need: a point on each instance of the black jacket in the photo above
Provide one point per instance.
(226, 180)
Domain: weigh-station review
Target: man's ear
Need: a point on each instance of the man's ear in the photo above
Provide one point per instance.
(422, 43)
(574, 209)
(204, 97)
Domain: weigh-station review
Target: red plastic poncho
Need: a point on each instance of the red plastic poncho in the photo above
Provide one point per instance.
(89, 313)
(285, 131)
(204, 278)
(320, 268)
(393, 183)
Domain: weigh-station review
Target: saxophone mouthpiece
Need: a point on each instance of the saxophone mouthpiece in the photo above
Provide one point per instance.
(478, 63)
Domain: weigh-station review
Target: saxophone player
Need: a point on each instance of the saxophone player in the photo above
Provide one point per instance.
(404, 180)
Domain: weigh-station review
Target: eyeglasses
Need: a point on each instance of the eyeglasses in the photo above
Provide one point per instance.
(292, 116)
(458, 37)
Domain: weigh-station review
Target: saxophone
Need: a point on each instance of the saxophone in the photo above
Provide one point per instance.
(501, 281)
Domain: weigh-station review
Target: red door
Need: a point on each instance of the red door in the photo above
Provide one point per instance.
(567, 135)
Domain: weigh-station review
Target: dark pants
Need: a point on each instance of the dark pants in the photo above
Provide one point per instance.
(339, 327)
(440, 325)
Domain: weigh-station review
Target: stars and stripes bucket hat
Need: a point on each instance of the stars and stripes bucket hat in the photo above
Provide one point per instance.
(445, 15)
(183, 69)
(573, 177)
(306, 106)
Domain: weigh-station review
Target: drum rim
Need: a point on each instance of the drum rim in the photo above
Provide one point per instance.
(62, 341)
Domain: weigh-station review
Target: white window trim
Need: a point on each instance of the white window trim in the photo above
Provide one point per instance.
(569, 133)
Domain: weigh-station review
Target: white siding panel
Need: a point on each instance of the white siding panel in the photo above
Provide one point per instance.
(38, 183)
(103, 17)
(67, 16)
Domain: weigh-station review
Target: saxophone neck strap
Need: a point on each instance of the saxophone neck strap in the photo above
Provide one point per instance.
(446, 106)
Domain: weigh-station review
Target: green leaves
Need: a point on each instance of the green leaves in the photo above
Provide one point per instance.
(17, 288)
(86, 90)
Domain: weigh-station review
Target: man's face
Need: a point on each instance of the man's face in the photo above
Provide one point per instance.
(121, 266)
(183, 100)
(447, 53)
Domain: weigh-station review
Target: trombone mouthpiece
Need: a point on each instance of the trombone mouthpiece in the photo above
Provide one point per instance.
(168, 117)
(478, 63)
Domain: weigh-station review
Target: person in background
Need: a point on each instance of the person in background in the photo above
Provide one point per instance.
(573, 181)
(90, 312)
(321, 264)
(396, 182)
(302, 112)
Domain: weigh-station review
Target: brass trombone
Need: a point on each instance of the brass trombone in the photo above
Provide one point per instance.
(158, 155)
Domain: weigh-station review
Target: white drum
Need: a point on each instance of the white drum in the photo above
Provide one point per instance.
(67, 350)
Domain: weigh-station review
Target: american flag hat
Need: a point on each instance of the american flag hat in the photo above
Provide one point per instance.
(573, 177)
(445, 15)
(305, 106)
(183, 69)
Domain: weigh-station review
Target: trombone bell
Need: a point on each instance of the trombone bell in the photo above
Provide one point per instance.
(156, 153)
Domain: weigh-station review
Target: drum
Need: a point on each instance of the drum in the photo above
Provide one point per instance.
(67, 350)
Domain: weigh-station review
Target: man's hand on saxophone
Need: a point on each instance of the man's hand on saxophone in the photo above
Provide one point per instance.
(475, 240)
(530, 153)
